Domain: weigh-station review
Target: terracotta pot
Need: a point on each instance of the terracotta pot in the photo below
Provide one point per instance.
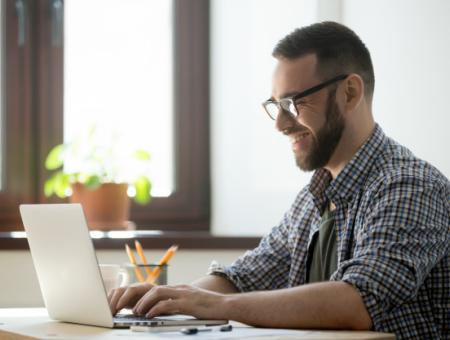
(106, 208)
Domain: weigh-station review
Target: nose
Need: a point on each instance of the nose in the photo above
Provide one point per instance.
(285, 121)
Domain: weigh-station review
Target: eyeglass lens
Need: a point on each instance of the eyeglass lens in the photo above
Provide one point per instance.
(273, 108)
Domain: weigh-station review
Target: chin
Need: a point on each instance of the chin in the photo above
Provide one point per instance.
(308, 163)
(303, 165)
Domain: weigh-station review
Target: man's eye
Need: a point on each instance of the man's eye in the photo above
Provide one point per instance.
(300, 104)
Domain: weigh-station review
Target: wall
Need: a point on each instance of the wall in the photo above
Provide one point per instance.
(254, 178)
(409, 42)
(253, 172)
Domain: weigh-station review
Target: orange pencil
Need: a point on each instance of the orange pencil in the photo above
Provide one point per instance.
(141, 254)
(165, 259)
(138, 273)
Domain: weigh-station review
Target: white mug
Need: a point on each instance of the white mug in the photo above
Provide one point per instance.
(114, 276)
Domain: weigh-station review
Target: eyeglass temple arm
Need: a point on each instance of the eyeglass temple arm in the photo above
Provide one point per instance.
(320, 86)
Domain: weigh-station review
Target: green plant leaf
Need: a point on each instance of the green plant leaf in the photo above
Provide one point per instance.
(61, 184)
(92, 182)
(143, 187)
(54, 158)
(142, 155)
(49, 186)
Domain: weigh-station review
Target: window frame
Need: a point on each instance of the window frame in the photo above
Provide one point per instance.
(33, 117)
(188, 208)
(18, 150)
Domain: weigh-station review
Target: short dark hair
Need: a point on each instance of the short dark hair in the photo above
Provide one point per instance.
(338, 49)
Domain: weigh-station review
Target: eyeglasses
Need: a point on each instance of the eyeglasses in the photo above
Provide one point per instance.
(288, 104)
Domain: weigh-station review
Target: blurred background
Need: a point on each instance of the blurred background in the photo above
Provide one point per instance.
(185, 79)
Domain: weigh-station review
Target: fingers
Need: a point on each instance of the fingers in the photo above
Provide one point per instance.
(126, 297)
(113, 297)
(180, 299)
(169, 306)
(158, 294)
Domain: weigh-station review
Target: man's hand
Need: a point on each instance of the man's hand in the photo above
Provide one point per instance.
(126, 297)
(183, 299)
(324, 305)
(132, 296)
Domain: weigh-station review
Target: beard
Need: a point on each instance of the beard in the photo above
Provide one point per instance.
(326, 139)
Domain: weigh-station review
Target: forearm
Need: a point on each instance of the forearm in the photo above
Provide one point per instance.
(215, 283)
(334, 305)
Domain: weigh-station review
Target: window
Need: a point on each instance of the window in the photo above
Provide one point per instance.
(40, 103)
(119, 77)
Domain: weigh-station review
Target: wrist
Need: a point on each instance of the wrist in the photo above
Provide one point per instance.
(229, 306)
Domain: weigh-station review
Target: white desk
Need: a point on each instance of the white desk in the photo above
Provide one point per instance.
(34, 323)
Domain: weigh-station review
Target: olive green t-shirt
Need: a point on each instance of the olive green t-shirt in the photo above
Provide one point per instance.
(322, 252)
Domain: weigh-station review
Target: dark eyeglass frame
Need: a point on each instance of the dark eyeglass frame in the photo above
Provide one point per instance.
(288, 102)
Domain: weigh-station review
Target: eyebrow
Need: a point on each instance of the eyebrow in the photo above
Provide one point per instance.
(290, 94)
(286, 95)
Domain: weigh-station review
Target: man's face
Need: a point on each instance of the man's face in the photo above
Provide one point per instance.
(316, 132)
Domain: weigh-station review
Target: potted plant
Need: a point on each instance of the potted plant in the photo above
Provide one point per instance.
(99, 171)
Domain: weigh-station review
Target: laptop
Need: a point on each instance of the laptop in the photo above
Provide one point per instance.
(68, 271)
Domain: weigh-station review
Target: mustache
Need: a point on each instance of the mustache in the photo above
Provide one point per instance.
(294, 129)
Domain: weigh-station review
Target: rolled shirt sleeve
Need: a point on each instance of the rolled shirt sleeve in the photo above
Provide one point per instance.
(405, 234)
(265, 267)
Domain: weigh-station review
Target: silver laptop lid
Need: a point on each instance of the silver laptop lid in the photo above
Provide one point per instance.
(66, 264)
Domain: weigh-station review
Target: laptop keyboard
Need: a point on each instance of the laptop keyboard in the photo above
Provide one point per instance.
(133, 319)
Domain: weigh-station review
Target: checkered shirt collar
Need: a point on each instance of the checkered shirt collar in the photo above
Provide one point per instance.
(347, 184)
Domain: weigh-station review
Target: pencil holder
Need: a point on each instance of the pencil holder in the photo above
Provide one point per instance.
(153, 272)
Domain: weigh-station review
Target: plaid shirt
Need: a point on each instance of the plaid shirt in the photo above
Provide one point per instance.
(392, 225)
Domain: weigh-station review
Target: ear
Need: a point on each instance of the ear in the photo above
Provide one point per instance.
(353, 92)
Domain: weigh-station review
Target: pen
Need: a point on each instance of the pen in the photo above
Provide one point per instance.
(138, 273)
(195, 330)
(165, 259)
(182, 329)
(155, 329)
(141, 254)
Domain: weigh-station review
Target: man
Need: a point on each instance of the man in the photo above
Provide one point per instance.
(364, 246)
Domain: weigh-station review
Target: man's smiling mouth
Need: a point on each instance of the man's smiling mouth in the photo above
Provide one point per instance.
(298, 137)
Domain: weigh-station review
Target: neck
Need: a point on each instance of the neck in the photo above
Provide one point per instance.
(353, 137)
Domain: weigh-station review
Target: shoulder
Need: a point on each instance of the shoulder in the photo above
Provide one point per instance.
(404, 196)
(397, 169)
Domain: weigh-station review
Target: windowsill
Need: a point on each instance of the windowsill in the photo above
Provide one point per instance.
(150, 239)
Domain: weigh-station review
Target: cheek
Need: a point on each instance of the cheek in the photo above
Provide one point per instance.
(312, 121)
(314, 116)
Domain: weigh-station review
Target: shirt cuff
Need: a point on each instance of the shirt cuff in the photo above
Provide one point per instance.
(369, 299)
(215, 268)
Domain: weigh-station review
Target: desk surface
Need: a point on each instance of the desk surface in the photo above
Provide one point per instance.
(34, 323)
